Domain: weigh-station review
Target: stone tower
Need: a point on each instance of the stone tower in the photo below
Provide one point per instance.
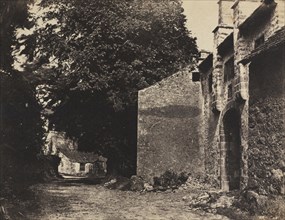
(224, 28)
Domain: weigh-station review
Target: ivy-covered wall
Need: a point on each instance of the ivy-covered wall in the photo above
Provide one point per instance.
(266, 152)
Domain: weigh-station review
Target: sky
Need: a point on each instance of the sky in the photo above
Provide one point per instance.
(202, 18)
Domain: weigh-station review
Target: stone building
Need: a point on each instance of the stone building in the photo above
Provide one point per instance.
(237, 135)
(169, 116)
(72, 161)
(243, 91)
(75, 163)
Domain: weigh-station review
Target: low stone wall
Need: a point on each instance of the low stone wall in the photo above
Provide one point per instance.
(169, 127)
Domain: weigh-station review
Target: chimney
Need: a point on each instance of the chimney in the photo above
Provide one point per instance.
(225, 21)
(225, 12)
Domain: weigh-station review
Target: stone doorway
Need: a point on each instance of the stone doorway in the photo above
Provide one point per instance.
(232, 164)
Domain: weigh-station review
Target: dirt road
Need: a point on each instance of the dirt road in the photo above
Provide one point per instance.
(94, 202)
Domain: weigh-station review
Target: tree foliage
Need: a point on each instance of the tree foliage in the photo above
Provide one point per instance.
(95, 55)
(12, 14)
(20, 112)
(21, 130)
(21, 126)
(115, 47)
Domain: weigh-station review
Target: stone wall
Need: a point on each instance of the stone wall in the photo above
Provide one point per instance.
(244, 43)
(220, 34)
(266, 124)
(169, 127)
(68, 167)
(209, 127)
(242, 9)
(213, 135)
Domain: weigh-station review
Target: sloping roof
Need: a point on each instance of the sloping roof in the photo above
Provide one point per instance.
(259, 15)
(207, 63)
(81, 157)
(276, 41)
(222, 26)
(227, 44)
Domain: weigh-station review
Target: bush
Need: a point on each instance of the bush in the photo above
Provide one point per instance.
(255, 204)
(275, 207)
(171, 179)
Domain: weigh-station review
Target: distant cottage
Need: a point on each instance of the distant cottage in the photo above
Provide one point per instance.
(74, 162)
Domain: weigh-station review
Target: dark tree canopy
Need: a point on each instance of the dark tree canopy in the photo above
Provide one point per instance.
(21, 127)
(21, 132)
(12, 14)
(104, 51)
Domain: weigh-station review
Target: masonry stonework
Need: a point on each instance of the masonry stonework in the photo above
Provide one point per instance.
(266, 124)
(232, 128)
(169, 120)
(209, 126)
(229, 108)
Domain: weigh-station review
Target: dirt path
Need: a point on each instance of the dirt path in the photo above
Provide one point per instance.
(80, 202)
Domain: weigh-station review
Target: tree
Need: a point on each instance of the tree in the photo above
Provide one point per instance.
(21, 130)
(12, 14)
(17, 96)
(95, 55)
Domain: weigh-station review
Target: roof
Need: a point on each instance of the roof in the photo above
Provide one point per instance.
(259, 15)
(203, 55)
(222, 26)
(227, 44)
(81, 157)
(207, 63)
(275, 42)
(204, 51)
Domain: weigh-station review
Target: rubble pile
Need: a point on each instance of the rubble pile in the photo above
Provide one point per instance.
(119, 182)
(257, 204)
(199, 182)
(210, 201)
(238, 204)
(216, 202)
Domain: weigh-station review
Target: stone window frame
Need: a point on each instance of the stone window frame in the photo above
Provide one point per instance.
(229, 66)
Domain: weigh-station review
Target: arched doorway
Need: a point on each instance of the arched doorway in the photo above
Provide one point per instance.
(231, 122)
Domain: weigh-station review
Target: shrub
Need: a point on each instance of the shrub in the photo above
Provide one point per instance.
(171, 179)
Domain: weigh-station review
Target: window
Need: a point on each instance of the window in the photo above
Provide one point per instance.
(230, 91)
(229, 70)
(259, 41)
(82, 167)
(195, 76)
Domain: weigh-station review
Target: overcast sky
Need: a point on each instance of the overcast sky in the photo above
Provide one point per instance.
(202, 18)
